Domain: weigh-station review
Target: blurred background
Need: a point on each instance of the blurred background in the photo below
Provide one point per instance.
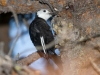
(23, 47)
(4, 30)
(8, 32)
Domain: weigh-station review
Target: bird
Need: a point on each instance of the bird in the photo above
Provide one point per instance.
(41, 35)
(40, 32)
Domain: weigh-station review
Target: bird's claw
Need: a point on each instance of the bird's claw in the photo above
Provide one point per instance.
(46, 56)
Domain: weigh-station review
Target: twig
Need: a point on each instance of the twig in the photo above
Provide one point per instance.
(94, 65)
(1, 48)
(26, 23)
(18, 55)
(18, 33)
(28, 60)
(88, 39)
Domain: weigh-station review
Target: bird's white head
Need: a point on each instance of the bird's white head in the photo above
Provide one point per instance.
(44, 14)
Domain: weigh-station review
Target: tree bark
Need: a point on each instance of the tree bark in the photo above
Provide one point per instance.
(28, 6)
(78, 30)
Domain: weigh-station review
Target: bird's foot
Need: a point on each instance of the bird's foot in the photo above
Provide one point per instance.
(46, 56)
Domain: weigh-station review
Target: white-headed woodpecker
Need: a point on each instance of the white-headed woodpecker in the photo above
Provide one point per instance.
(40, 32)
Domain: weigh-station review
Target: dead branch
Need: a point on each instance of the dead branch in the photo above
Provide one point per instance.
(94, 65)
(88, 38)
(18, 30)
(28, 60)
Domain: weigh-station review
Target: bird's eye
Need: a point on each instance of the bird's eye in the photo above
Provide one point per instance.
(44, 10)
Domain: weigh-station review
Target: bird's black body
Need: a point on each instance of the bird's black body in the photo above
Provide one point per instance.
(38, 28)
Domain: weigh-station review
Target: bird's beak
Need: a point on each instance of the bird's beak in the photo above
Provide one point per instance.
(51, 13)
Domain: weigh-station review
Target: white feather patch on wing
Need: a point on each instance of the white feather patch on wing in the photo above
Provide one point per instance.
(43, 44)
